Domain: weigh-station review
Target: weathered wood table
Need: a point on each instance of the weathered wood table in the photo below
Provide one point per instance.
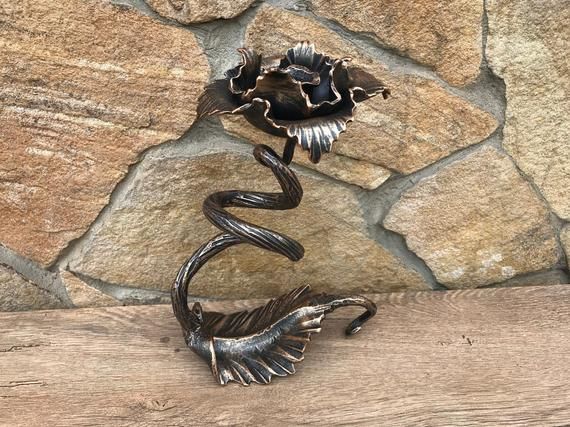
(475, 357)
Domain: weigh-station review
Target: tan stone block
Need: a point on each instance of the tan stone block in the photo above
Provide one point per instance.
(83, 295)
(85, 87)
(445, 35)
(193, 11)
(476, 222)
(528, 47)
(19, 294)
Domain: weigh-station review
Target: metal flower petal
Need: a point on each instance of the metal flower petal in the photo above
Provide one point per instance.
(302, 74)
(365, 85)
(334, 78)
(315, 134)
(304, 54)
(243, 76)
(257, 114)
(284, 93)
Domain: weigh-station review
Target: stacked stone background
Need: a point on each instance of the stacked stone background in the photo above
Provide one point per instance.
(459, 180)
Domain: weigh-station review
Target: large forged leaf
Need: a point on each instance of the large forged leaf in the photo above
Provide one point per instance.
(271, 338)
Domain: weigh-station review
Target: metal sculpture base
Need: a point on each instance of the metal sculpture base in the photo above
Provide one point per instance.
(254, 346)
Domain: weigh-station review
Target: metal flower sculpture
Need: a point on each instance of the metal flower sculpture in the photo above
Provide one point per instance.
(303, 95)
(308, 98)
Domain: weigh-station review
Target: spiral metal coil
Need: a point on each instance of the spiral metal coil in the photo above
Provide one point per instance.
(236, 231)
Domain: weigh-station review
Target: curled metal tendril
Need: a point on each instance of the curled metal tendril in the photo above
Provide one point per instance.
(253, 346)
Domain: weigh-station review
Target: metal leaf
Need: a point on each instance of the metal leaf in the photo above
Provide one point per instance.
(247, 322)
(217, 99)
(254, 346)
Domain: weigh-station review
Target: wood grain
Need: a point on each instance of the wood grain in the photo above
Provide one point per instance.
(474, 357)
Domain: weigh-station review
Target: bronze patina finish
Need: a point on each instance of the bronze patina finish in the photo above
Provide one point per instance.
(308, 98)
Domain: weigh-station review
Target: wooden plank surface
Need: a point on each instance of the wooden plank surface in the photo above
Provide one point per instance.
(475, 357)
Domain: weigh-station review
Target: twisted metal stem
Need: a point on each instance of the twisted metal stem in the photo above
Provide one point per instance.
(236, 231)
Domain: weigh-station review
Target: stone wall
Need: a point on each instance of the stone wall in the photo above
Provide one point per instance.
(460, 179)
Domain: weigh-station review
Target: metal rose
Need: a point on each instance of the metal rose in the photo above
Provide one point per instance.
(304, 96)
